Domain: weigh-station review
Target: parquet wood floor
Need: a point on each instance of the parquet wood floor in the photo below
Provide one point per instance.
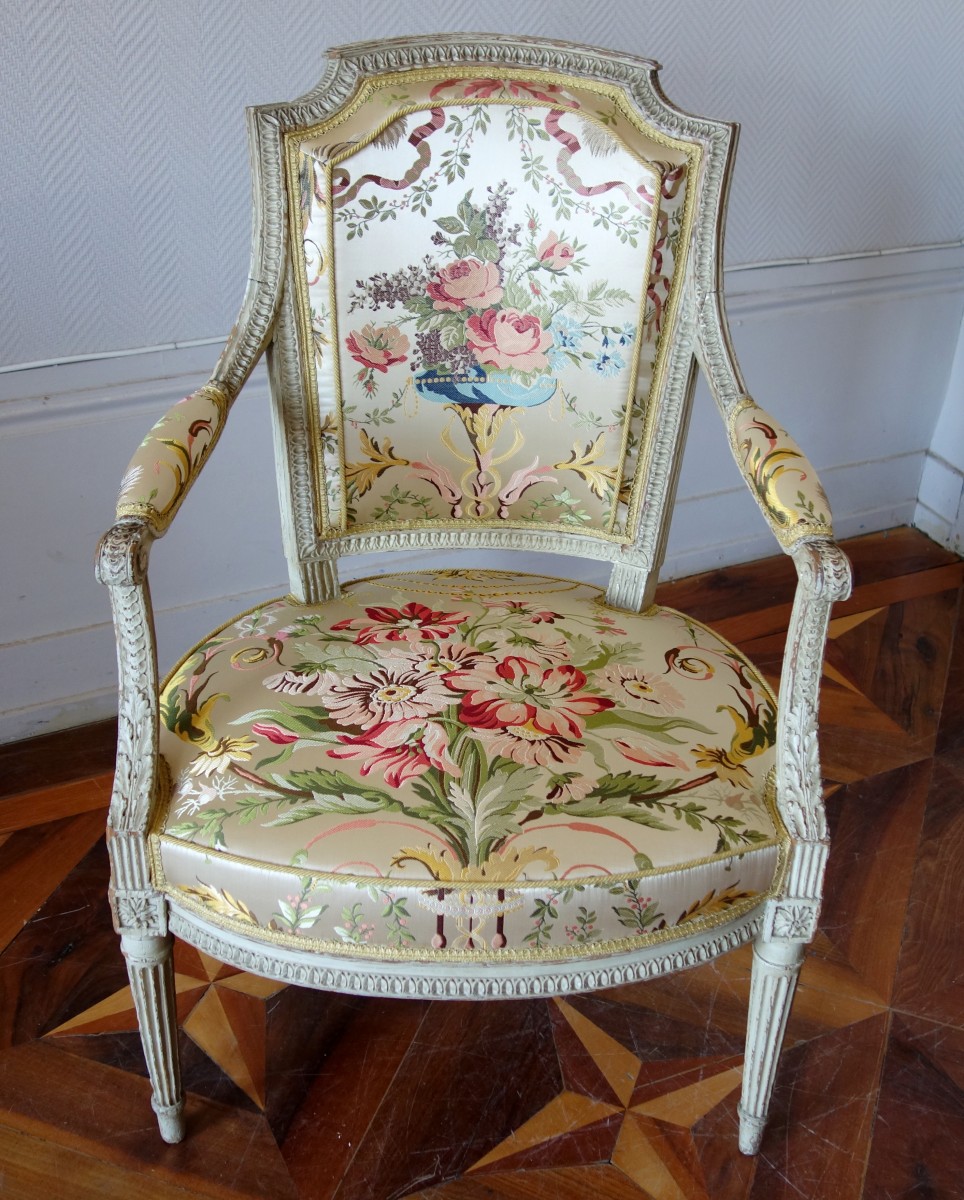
(631, 1093)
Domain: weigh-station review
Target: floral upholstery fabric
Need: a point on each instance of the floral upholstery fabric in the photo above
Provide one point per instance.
(780, 476)
(466, 762)
(488, 267)
(170, 457)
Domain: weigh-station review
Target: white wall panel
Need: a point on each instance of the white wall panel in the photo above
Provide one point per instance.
(940, 508)
(126, 197)
(125, 226)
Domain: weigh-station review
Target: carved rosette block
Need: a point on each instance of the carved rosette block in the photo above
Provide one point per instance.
(792, 920)
(776, 966)
(139, 912)
(151, 973)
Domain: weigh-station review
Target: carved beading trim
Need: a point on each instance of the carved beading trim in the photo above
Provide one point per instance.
(716, 355)
(296, 482)
(458, 981)
(268, 248)
(542, 541)
(662, 461)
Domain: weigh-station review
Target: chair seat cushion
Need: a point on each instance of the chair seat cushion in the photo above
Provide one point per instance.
(467, 764)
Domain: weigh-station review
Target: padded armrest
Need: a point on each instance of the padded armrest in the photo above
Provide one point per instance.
(169, 459)
(779, 475)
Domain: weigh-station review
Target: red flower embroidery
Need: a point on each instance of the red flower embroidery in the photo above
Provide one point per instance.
(412, 623)
(274, 733)
(402, 749)
(517, 691)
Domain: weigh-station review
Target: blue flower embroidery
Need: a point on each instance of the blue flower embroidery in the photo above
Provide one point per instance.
(566, 332)
(608, 363)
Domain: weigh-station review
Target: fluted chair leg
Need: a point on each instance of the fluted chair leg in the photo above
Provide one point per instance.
(776, 966)
(151, 972)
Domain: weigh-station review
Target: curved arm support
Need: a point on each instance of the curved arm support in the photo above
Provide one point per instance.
(823, 573)
(790, 917)
(122, 565)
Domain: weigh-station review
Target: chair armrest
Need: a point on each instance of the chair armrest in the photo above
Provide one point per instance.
(170, 458)
(778, 473)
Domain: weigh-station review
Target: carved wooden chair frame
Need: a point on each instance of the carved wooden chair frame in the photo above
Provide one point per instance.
(782, 925)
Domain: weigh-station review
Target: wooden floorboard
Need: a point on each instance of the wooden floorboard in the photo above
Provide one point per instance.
(631, 1093)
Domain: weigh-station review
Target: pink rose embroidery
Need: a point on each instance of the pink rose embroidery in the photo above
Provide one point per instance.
(377, 347)
(553, 254)
(508, 339)
(467, 283)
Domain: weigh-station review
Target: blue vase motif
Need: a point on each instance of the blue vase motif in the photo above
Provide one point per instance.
(477, 386)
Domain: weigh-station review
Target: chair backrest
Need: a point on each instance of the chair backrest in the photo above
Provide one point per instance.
(495, 254)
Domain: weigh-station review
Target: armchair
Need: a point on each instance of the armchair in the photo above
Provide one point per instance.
(484, 271)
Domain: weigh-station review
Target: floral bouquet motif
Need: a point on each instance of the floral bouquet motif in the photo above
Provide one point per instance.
(486, 325)
(505, 252)
(494, 316)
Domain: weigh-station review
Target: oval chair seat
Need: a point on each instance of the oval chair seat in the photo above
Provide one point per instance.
(468, 765)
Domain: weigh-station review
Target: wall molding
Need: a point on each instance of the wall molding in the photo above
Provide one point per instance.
(859, 336)
(81, 391)
(939, 511)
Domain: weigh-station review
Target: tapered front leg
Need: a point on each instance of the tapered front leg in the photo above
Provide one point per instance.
(776, 966)
(151, 972)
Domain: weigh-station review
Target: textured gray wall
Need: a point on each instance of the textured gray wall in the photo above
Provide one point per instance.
(126, 197)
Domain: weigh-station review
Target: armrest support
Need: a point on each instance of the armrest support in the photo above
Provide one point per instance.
(778, 473)
(824, 576)
(170, 458)
(122, 565)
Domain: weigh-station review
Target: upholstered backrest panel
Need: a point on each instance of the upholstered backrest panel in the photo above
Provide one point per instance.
(487, 267)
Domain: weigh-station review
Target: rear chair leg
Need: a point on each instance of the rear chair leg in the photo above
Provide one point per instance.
(151, 972)
(776, 966)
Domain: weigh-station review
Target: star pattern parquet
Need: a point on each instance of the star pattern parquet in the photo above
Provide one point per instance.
(631, 1093)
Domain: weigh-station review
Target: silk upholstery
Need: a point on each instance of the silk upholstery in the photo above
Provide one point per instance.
(467, 742)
